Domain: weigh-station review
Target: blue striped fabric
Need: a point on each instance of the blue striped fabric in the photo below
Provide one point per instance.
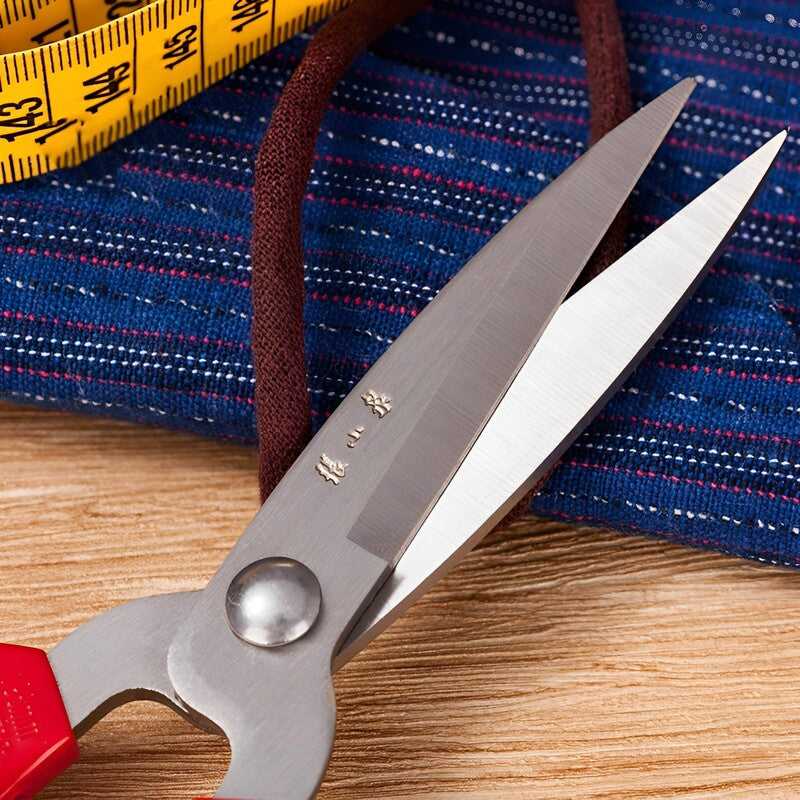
(125, 282)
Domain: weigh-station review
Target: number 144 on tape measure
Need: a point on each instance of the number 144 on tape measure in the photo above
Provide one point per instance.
(75, 75)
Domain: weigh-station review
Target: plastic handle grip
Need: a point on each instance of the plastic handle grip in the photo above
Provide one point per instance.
(36, 739)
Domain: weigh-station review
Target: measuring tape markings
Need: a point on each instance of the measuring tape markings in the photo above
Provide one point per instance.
(65, 100)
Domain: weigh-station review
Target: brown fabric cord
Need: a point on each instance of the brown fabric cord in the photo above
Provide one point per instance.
(610, 104)
(282, 171)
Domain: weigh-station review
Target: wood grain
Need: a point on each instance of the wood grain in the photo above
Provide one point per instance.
(553, 663)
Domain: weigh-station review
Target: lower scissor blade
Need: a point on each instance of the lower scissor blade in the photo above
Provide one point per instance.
(591, 346)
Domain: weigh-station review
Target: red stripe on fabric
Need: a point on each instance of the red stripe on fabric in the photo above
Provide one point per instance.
(105, 262)
(71, 376)
(115, 221)
(722, 372)
(639, 473)
(391, 308)
(186, 177)
(485, 137)
(93, 326)
(681, 427)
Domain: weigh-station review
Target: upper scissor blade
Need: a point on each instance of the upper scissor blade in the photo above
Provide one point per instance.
(450, 368)
(594, 342)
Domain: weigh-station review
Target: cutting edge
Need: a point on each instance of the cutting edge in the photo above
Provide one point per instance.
(628, 298)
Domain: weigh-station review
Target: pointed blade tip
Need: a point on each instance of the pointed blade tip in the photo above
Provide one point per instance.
(770, 149)
(682, 89)
(664, 109)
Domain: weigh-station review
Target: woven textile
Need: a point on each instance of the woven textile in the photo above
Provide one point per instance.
(125, 282)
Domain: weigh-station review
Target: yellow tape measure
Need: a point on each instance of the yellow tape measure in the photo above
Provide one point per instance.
(75, 75)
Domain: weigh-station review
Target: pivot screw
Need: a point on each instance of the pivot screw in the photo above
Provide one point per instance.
(273, 602)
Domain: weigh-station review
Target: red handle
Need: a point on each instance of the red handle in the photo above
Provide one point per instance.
(36, 740)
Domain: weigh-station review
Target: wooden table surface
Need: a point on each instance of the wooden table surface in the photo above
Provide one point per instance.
(553, 663)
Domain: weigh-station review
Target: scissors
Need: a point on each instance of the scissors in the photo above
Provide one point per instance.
(464, 414)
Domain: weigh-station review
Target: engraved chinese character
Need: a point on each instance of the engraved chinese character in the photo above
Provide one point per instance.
(354, 436)
(330, 469)
(381, 404)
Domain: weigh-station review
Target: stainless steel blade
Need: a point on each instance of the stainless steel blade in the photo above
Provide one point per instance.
(473, 342)
(593, 343)
(357, 494)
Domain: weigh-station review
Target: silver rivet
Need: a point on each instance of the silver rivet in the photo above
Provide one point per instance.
(273, 602)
